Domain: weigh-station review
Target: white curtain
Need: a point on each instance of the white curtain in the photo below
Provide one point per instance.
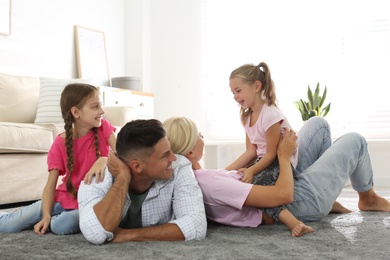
(342, 44)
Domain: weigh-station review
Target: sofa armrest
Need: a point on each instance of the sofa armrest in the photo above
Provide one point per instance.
(119, 115)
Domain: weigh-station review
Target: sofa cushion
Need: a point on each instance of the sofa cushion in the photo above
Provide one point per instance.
(25, 138)
(18, 98)
(49, 110)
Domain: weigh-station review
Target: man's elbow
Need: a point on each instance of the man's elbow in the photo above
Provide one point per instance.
(93, 232)
(201, 232)
(201, 227)
(196, 229)
(93, 237)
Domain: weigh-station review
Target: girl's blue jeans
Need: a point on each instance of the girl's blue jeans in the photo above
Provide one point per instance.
(63, 222)
(324, 168)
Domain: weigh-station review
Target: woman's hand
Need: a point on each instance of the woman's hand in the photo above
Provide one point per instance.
(96, 170)
(288, 144)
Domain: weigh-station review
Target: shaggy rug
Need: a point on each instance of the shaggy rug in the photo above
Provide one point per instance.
(357, 235)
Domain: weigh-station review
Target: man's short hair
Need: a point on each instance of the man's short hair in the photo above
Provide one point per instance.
(138, 137)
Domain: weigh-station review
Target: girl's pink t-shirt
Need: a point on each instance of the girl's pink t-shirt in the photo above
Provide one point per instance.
(84, 155)
(269, 116)
(224, 196)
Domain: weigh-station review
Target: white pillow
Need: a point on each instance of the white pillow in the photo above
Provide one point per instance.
(49, 110)
(18, 98)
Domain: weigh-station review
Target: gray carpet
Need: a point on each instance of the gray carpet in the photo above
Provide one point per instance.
(358, 235)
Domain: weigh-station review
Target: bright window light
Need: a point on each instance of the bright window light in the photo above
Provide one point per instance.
(344, 45)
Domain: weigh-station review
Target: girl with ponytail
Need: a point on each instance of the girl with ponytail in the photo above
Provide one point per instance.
(264, 123)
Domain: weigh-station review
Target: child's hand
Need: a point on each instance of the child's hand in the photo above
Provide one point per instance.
(42, 226)
(248, 176)
(96, 170)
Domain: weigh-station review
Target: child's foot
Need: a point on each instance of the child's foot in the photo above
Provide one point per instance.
(337, 208)
(300, 230)
(370, 201)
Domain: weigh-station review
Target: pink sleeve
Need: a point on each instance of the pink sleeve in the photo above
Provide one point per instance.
(57, 155)
(271, 116)
(105, 131)
(229, 191)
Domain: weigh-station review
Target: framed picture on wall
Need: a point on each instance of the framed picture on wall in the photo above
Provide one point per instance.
(92, 56)
(5, 17)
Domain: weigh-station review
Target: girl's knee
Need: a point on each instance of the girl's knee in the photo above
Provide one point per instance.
(65, 224)
(60, 228)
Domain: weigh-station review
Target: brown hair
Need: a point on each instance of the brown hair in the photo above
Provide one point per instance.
(250, 73)
(137, 139)
(75, 95)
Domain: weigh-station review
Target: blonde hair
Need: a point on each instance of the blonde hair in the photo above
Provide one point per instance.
(182, 133)
(250, 73)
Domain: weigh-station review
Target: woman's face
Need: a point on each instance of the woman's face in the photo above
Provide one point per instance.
(198, 149)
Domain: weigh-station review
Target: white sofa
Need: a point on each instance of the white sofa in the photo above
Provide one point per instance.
(30, 119)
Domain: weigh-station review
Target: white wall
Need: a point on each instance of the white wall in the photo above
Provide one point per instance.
(176, 58)
(42, 36)
(157, 40)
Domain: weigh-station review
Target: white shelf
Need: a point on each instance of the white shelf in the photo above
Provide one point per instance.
(142, 102)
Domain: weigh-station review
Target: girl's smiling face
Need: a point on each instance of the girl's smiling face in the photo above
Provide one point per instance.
(90, 115)
(244, 93)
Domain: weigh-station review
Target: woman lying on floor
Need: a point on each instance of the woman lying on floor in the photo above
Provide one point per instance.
(310, 197)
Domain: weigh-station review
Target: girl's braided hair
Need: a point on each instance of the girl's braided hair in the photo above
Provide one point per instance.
(75, 95)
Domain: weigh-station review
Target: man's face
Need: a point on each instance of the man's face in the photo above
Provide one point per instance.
(159, 164)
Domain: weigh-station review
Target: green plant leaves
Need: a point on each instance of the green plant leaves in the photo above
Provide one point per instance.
(313, 107)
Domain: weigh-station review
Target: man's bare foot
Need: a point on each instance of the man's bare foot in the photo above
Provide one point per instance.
(370, 201)
(337, 208)
(300, 230)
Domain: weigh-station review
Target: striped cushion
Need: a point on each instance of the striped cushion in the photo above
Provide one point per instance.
(49, 110)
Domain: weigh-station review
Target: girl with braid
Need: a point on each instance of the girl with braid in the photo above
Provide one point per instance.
(80, 153)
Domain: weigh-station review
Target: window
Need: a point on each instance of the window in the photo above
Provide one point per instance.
(344, 45)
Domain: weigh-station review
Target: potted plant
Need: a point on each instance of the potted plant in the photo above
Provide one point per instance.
(313, 107)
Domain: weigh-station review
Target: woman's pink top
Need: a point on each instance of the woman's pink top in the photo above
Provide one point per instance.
(224, 196)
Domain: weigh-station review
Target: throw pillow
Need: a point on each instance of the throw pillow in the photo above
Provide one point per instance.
(49, 110)
(18, 98)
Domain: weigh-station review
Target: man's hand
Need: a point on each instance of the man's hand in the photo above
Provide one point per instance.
(116, 166)
(288, 144)
(109, 210)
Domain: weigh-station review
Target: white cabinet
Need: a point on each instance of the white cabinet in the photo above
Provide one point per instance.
(142, 102)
